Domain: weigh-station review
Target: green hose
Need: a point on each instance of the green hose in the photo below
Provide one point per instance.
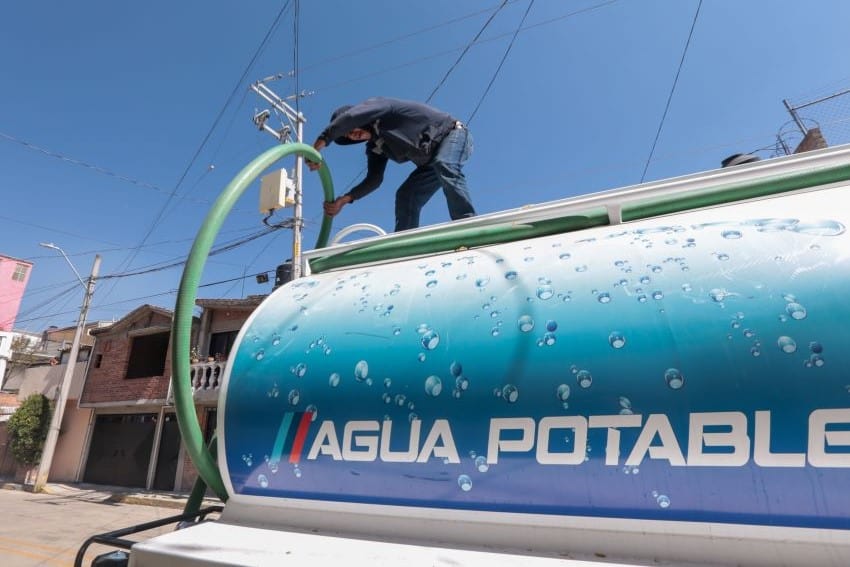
(181, 330)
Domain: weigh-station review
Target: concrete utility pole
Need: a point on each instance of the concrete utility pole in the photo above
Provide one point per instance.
(68, 376)
(284, 135)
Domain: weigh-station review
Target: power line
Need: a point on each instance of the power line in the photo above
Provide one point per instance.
(672, 90)
(396, 39)
(81, 163)
(454, 49)
(465, 49)
(160, 214)
(502, 62)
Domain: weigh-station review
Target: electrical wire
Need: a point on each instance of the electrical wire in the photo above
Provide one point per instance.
(465, 49)
(672, 90)
(454, 49)
(502, 62)
(351, 53)
(160, 215)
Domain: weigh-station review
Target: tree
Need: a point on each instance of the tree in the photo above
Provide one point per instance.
(28, 429)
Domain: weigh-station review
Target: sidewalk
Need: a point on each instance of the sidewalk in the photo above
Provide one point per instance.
(102, 493)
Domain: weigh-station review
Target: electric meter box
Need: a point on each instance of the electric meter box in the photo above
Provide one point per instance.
(277, 191)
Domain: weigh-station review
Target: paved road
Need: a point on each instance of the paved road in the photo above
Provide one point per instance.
(48, 529)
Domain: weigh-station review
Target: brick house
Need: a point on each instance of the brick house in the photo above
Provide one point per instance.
(133, 438)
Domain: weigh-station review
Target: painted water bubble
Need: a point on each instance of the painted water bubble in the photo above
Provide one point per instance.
(786, 344)
(616, 339)
(565, 256)
(300, 369)
(816, 360)
(462, 383)
(551, 326)
(481, 464)
(657, 294)
(548, 339)
(510, 393)
(433, 386)
(796, 311)
(625, 402)
(430, 340)
(815, 347)
(584, 378)
(361, 371)
(275, 339)
(431, 284)
(663, 501)
(260, 355)
(400, 400)
(421, 357)
(333, 380)
(718, 294)
(525, 323)
(464, 482)
(641, 298)
(645, 280)
(388, 382)
(411, 417)
(674, 378)
(545, 292)
(396, 331)
(482, 282)
(510, 275)
(731, 234)
(755, 351)
(562, 392)
(604, 297)
(263, 481)
(294, 397)
(422, 328)
(582, 268)
(494, 331)
(296, 471)
(387, 398)
(455, 368)
(313, 411)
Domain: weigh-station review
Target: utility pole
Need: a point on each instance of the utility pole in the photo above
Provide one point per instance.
(284, 136)
(68, 377)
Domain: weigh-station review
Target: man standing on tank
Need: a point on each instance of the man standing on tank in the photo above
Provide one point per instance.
(402, 131)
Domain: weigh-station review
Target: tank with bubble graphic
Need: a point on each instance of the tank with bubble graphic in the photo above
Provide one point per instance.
(493, 378)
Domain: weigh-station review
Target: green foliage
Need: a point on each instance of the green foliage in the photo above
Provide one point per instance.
(28, 428)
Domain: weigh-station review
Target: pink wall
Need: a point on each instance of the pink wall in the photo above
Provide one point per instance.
(11, 290)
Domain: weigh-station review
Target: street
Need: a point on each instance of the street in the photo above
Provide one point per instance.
(48, 529)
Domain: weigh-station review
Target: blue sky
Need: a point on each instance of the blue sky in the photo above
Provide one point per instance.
(120, 122)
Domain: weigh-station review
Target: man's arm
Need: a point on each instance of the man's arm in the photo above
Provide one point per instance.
(376, 165)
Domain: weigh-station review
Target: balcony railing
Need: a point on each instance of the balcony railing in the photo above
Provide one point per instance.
(206, 379)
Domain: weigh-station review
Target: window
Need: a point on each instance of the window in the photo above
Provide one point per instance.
(221, 343)
(98, 360)
(147, 355)
(20, 273)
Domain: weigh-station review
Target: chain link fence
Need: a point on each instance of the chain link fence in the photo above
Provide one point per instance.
(830, 113)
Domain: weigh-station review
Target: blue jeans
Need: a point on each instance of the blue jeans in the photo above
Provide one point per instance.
(444, 170)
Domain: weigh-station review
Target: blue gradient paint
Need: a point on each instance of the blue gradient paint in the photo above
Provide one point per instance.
(740, 309)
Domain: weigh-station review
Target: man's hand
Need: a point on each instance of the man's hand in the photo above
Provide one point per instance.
(335, 206)
(318, 145)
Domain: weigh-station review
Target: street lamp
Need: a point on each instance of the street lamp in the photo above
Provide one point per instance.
(56, 420)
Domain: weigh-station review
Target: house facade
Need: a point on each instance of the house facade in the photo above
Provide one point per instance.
(14, 276)
(132, 437)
